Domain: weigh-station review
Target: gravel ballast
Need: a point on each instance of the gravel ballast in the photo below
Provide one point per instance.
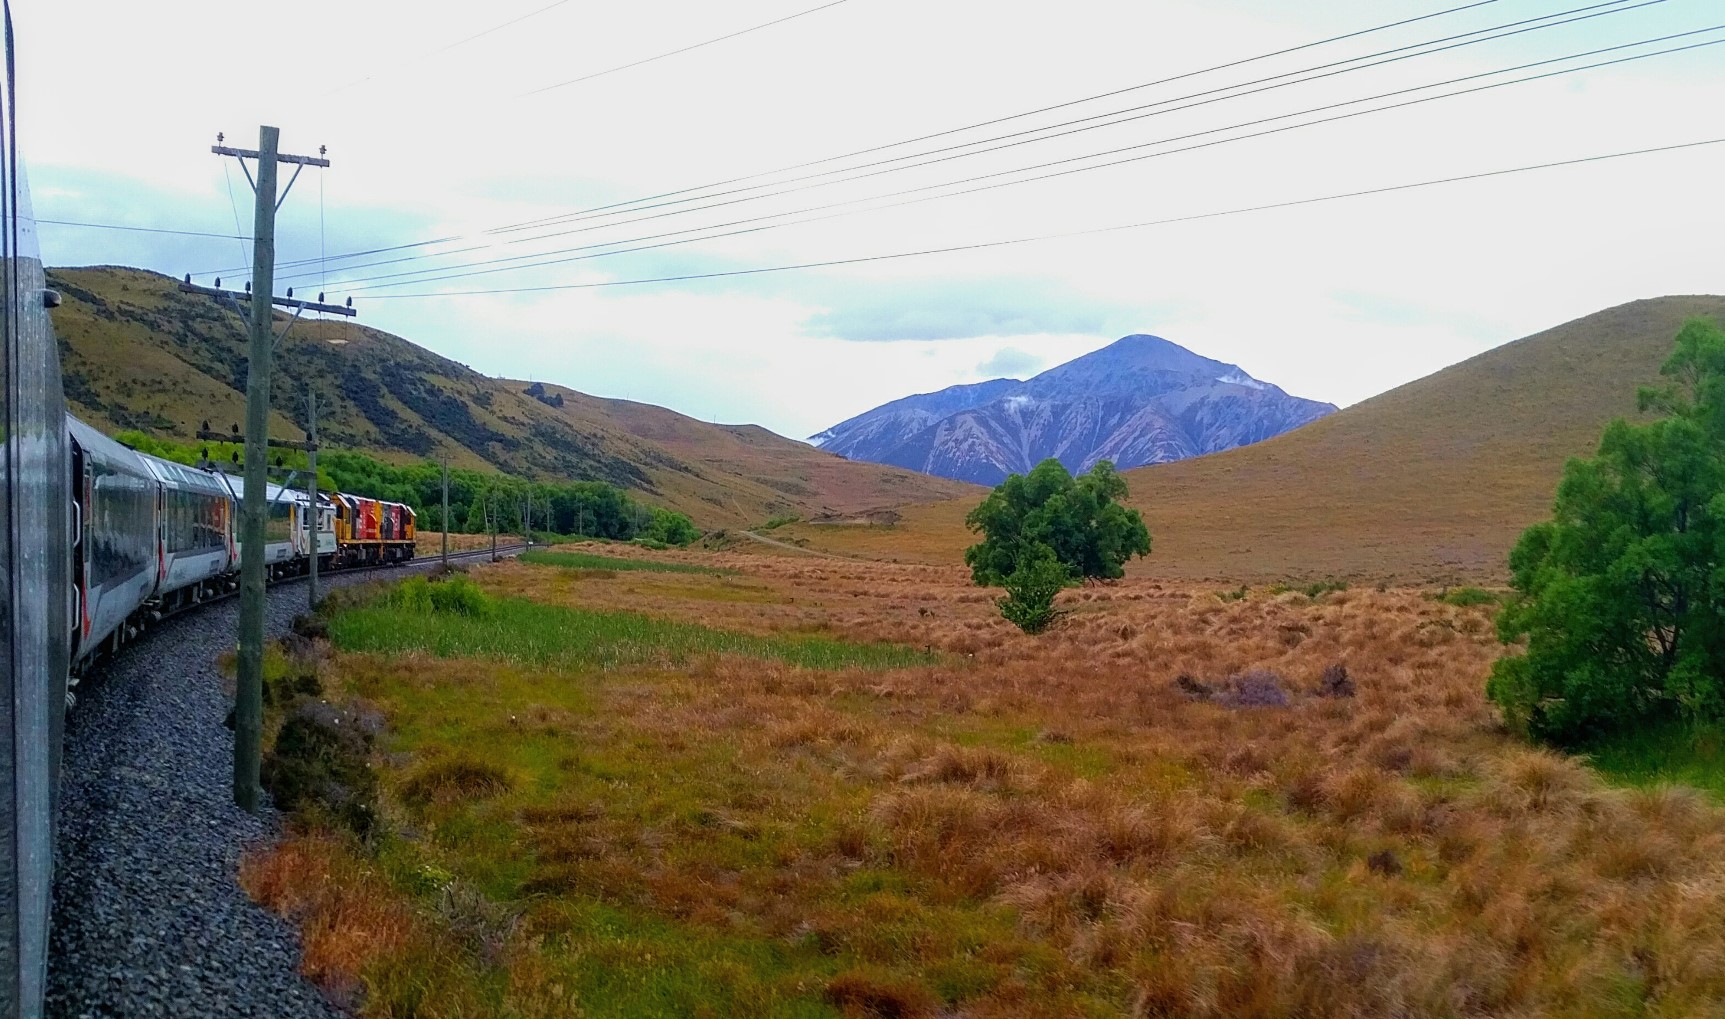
(149, 919)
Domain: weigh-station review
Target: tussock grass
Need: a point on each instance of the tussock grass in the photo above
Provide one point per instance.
(1022, 826)
(589, 561)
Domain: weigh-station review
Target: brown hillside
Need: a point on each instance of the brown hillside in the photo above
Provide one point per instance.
(136, 353)
(1430, 482)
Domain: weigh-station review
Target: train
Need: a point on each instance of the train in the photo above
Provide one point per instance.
(98, 540)
(151, 537)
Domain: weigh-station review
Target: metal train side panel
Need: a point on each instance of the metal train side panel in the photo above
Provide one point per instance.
(194, 513)
(119, 535)
(278, 525)
(35, 587)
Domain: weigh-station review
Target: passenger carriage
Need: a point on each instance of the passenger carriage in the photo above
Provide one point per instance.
(116, 545)
(195, 526)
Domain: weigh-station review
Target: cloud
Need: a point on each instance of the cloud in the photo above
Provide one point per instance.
(1009, 362)
(953, 308)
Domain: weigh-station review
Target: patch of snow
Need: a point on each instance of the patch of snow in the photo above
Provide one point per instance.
(822, 439)
(1240, 378)
(1018, 401)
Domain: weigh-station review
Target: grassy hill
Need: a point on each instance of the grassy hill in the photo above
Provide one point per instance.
(137, 353)
(1430, 482)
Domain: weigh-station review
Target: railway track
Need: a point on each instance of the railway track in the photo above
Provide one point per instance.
(148, 917)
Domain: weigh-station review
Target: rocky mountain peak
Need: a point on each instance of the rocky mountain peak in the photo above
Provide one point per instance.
(1142, 399)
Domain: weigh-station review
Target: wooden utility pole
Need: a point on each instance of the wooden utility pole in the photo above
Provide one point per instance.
(311, 495)
(446, 512)
(491, 506)
(248, 694)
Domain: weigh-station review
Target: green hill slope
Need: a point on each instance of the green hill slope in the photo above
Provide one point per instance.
(1432, 481)
(136, 353)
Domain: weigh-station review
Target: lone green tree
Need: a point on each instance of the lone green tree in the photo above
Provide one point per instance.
(1035, 525)
(1622, 592)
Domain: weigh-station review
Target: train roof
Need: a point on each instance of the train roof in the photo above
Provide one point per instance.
(106, 450)
(184, 477)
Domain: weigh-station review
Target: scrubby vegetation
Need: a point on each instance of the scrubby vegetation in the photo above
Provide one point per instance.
(1044, 530)
(572, 509)
(1169, 805)
(1619, 596)
(1031, 588)
(1079, 520)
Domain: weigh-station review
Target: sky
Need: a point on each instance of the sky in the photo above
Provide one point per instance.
(446, 120)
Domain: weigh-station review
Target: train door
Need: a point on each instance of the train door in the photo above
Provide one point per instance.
(80, 492)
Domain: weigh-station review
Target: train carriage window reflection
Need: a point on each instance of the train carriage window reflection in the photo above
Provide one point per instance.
(123, 508)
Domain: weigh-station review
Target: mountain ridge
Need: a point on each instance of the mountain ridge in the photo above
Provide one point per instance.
(1140, 400)
(1430, 482)
(138, 354)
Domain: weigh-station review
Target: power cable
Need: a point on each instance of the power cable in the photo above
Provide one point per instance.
(449, 46)
(227, 175)
(142, 229)
(480, 270)
(685, 49)
(1065, 235)
(937, 134)
(1504, 31)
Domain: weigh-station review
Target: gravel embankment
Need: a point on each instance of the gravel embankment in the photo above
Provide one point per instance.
(149, 919)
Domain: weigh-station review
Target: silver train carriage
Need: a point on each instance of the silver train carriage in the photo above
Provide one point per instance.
(35, 580)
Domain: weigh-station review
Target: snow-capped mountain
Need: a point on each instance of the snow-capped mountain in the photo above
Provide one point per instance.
(1140, 400)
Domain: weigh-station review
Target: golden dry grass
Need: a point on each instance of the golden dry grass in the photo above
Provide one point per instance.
(1085, 823)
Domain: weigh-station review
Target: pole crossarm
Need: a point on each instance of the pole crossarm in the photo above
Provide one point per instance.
(225, 150)
(282, 302)
(209, 435)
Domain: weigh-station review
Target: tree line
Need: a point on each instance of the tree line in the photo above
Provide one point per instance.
(478, 501)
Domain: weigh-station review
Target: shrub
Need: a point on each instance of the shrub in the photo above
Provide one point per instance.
(1336, 682)
(1030, 590)
(454, 594)
(459, 595)
(322, 761)
(1466, 597)
(1079, 520)
(1618, 599)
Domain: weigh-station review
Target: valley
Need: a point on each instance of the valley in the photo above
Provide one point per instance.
(697, 783)
(1428, 483)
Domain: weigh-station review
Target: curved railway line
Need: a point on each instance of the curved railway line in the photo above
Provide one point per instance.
(148, 916)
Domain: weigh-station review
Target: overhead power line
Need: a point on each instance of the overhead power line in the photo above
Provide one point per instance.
(685, 49)
(496, 266)
(1388, 26)
(1394, 55)
(449, 46)
(1295, 203)
(143, 229)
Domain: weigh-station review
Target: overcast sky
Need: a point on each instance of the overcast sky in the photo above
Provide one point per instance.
(438, 125)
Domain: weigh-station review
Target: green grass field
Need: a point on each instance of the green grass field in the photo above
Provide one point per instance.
(529, 633)
(589, 561)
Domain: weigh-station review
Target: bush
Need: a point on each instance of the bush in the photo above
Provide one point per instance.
(322, 761)
(454, 594)
(1618, 597)
(1031, 588)
(1466, 597)
(1079, 520)
(459, 595)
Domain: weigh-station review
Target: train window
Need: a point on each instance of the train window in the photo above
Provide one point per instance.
(123, 526)
(278, 521)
